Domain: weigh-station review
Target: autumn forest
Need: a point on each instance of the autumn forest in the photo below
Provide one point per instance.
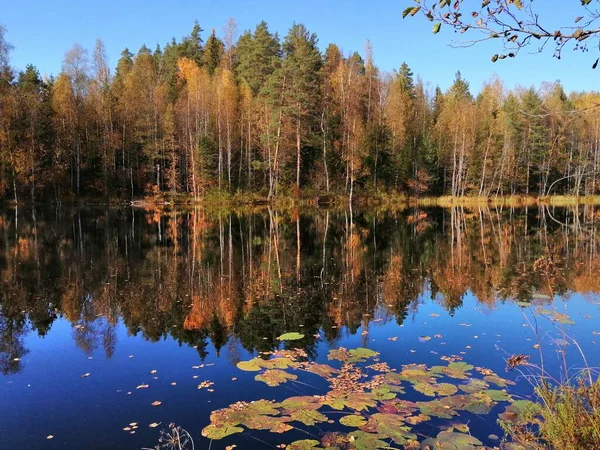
(271, 117)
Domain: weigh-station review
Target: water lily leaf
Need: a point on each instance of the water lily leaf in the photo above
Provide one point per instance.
(495, 379)
(304, 444)
(292, 404)
(256, 364)
(397, 406)
(458, 370)
(323, 370)
(383, 393)
(308, 416)
(219, 432)
(496, 395)
(389, 426)
(366, 441)
(521, 412)
(291, 336)
(275, 377)
(474, 385)
(353, 420)
(270, 423)
(357, 401)
(413, 375)
(431, 389)
(339, 354)
(460, 441)
(361, 354)
(555, 316)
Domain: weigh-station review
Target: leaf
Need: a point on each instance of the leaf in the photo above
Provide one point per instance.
(156, 403)
(596, 63)
(406, 12)
(301, 403)
(304, 444)
(366, 441)
(275, 377)
(323, 370)
(436, 28)
(353, 420)
(431, 390)
(291, 336)
(459, 441)
(498, 381)
(496, 395)
(389, 426)
(424, 338)
(357, 401)
(308, 417)
(339, 354)
(361, 354)
(248, 366)
(216, 432)
(154, 425)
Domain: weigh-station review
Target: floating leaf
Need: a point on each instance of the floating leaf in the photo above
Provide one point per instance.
(323, 370)
(156, 403)
(361, 354)
(424, 338)
(367, 441)
(459, 441)
(216, 432)
(291, 336)
(304, 444)
(308, 416)
(435, 388)
(390, 426)
(301, 403)
(498, 381)
(353, 420)
(275, 377)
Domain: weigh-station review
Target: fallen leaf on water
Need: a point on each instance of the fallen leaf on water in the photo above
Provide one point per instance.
(234, 378)
(395, 338)
(465, 324)
(85, 375)
(153, 371)
(536, 346)
(173, 383)
(434, 315)
(133, 424)
(127, 429)
(156, 403)
(154, 425)
(596, 333)
(130, 356)
(424, 338)
(437, 336)
(143, 386)
(230, 447)
(49, 437)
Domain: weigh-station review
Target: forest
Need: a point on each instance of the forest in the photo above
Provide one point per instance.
(270, 117)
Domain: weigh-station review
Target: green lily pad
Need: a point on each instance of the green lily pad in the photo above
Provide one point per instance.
(219, 432)
(353, 420)
(275, 377)
(304, 444)
(291, 336)
(308, 416)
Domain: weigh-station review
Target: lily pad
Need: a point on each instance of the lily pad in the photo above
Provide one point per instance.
(304, 444)
(275, 377)
(294, 336)
(353, 420)
(219, 432)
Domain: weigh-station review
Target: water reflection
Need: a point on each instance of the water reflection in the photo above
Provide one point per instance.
(200, 276)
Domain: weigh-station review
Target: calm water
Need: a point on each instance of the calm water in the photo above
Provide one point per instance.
(171, 299)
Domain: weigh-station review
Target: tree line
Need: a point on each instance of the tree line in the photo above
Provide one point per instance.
(272, 117)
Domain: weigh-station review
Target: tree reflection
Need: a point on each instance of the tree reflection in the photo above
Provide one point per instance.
(242, 279)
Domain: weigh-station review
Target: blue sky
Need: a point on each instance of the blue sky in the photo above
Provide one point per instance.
(43, 31)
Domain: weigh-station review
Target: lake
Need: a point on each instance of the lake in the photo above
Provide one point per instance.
(106, 312)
